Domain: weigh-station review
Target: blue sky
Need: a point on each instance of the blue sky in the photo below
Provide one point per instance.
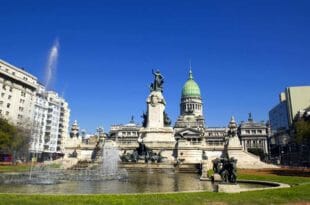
(243, 53)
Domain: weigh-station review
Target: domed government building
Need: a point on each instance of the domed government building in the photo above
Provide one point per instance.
(189, 141)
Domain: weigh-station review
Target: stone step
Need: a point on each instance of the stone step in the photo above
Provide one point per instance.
(248, 161)
(81, 165)
(189, 168)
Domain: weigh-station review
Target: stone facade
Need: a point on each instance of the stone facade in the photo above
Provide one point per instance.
(254, 135)
(126, 135)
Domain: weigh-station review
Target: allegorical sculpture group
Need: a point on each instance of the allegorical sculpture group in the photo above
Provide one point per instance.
(142, 153)
(226, 168)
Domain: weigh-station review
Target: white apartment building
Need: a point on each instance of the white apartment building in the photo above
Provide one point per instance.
(39, 121)
(57, 123)
(25, 102)
(17, 94)
(52, 122)
(63, 131)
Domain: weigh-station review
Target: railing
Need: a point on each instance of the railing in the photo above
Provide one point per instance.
(188, 124)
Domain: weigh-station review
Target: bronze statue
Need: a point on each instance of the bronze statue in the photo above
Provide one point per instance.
(157, 85)
(226, 166)
(142, 153)
(167, 121)
(144, 122)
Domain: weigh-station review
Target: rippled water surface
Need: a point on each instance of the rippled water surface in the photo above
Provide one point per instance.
(137, 182)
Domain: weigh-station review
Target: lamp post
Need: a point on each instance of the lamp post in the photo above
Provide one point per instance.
(100, 132)
(281, 155)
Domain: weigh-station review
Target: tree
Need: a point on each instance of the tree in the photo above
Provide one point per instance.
(14, 140)
(302, 132)
(7, 131)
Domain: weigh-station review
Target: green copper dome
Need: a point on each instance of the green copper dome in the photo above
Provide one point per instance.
(190, 88)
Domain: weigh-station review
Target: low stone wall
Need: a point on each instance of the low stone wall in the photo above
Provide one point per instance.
(144, 166)
(235, 188)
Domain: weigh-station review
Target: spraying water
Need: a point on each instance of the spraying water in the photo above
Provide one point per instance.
(51, 63)
(110, 158)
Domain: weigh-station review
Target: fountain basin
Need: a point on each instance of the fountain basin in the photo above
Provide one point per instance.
(246, 185)
(150, 181)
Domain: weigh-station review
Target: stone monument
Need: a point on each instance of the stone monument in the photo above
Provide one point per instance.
(73, 142)
(156, 133)
(233, 142)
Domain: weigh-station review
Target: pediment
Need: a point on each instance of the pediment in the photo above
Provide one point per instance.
(188, 132)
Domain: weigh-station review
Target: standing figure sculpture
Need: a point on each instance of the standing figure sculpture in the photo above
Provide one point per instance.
(157, 85)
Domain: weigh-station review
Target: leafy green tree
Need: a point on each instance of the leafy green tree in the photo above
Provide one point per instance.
(7, 133)
(14, 140)
(302, 132)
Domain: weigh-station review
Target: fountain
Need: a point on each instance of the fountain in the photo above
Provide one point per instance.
(110, 158)
(51, 63)
(107, 177)
(107, 169)
(154, 155)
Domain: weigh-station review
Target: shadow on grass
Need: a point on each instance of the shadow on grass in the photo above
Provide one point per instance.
(291, 172)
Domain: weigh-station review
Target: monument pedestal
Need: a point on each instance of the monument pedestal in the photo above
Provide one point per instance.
(189, 153)
(157, 134)
(234, 143)
(159, 140)
(155, 131)
(204, 170)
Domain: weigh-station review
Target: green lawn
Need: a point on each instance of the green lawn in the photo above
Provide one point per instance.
(14, 168)
(300, 192)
